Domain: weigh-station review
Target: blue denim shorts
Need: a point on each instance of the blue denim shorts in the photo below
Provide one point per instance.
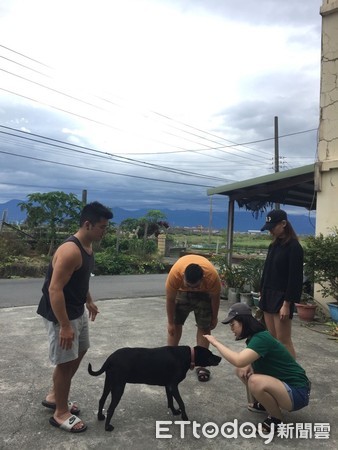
(300, 397)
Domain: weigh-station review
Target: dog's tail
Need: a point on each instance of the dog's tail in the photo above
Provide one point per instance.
(99, 372)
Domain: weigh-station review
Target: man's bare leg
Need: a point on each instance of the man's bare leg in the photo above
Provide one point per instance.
(201, 341)
(62, 377)
(50, 397)
(173, 340)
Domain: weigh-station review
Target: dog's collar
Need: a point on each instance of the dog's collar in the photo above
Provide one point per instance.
(192, 363)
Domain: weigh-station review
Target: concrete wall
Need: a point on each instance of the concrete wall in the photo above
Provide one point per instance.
(327, 174)
(327, 197)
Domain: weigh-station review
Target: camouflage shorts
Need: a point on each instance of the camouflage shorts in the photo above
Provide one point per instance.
(199, 302)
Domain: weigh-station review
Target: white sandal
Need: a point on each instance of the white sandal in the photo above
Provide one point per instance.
(68, 424)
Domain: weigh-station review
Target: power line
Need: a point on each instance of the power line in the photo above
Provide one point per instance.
(221, 148)
(25, 56)
(233, 144)
(104, 99)
(102, 171)
(101, 154)
(182, 150)
(244, 143)
(132, 161)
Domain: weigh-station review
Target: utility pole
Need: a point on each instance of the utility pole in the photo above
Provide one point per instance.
(84, 196)
(210, 219)
(3, 220)
(277, 205)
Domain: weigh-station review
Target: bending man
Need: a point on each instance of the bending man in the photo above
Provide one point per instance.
(193, 284)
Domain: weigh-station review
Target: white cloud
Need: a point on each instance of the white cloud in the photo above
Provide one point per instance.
(160, 81)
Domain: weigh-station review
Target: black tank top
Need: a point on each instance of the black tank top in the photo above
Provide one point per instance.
(75, 291)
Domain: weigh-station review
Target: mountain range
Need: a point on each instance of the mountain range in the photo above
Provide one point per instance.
(243, 221)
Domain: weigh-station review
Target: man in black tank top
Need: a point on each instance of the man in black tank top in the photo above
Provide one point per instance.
(62, 306)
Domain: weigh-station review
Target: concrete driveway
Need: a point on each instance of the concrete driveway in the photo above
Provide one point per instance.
(26, 372)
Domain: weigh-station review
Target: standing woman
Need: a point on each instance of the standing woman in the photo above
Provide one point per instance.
(282, 278)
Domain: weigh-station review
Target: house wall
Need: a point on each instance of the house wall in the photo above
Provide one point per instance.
(327, 176)
(327, 203)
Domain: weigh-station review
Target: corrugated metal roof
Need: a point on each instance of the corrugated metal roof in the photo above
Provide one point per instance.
(290, 187)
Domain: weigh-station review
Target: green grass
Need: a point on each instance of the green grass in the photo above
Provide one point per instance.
(242, 242)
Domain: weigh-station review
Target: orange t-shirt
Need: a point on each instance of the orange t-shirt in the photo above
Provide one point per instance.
(211, 282)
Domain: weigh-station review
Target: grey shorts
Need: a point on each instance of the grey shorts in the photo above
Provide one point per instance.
(199, 302)
(57, 355)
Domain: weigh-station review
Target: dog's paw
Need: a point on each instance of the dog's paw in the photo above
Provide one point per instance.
(109, 427)
(100, 416)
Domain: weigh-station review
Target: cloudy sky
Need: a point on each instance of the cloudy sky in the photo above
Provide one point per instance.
(147, 103)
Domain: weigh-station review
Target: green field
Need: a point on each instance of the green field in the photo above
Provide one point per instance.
(242, 242)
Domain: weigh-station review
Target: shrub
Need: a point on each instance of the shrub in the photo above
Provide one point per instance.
(23, 266)
(231, 276)
(131, 246)
(12, 245)
(109, 262)
(252, 270)
(321, 262)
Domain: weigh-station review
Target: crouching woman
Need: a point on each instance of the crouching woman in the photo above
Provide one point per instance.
(272, 375)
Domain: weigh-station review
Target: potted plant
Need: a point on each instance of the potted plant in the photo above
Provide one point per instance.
(306, 308)
(232, 279)
(321, 259)
(252, 269)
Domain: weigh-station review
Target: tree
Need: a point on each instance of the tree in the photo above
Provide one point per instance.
(148, 225)
(154, 216)
(52, 210)
(130, 225)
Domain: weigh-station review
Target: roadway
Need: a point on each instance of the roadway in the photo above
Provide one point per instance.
(27, 291)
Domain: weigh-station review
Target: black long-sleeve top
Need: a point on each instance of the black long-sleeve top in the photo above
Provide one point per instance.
(283, 269)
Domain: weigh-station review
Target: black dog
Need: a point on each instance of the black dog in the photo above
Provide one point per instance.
(162, 366)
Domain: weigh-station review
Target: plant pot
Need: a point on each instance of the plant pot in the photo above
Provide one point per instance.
(255, 301)
(224, 291)
(233, 295)
(255, 298)
(305, 311)
(333, 307)
(246, 297)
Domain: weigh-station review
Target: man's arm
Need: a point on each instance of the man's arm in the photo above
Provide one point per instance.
(93, 310)
(170, 305)
(66, 260)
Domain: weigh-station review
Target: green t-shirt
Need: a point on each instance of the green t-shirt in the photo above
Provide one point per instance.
(275, 360)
